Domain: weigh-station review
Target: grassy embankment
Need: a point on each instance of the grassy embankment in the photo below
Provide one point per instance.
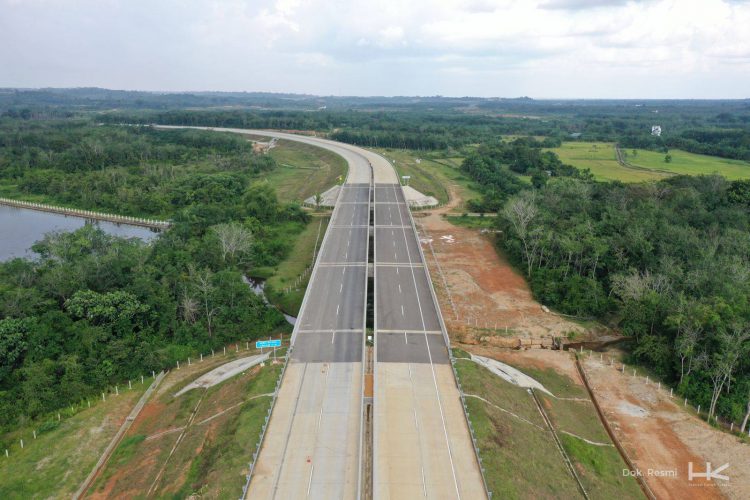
(601, 159)
(212, 455)
(434, 175)
(302, 171)
(55, 463)
(520, 457)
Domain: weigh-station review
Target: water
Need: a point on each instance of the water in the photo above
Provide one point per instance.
(258, 286)
(21, 227)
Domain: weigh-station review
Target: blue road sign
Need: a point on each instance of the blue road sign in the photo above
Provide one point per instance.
(267, 343)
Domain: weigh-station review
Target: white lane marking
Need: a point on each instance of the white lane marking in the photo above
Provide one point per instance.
(399, 288)
(405, 341)
(337, 310)
(402, 309)
(432, 367)
(442, 416)
(309, 481)
(341, 288)
(424, 484)
(333, 337)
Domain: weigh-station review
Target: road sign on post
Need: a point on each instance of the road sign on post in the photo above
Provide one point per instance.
(260, 344)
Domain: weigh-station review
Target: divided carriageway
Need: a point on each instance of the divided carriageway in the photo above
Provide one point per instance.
(314, 444)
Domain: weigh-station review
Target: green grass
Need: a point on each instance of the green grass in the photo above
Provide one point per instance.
(601, 159)
(211, 459)
(283, 275)
(56, 463)
(520, 460)
(433, 174)
(689, 163)
(600, 469)
(303, 170)
(532, 450)
(218, 469)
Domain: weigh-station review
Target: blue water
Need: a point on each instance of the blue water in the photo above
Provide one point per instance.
(20, 228)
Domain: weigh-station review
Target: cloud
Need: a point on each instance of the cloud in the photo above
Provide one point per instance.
(569, 48)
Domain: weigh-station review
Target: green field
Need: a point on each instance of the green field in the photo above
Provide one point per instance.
(303, 170)
(55, 463)
(600, 158)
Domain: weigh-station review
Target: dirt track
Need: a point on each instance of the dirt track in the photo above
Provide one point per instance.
(658, 434)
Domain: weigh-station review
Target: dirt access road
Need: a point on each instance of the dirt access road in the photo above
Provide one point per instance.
(659, 434)
(477, 287)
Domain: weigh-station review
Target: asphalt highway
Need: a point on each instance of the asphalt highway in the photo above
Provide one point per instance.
(421, 441)
(313, 447)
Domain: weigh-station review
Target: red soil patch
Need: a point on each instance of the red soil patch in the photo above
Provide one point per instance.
(659, 435)
(484, 294)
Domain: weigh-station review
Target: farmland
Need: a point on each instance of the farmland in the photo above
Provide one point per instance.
(601, 159)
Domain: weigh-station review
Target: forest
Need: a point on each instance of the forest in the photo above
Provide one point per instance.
(92, 310)
(667, 264)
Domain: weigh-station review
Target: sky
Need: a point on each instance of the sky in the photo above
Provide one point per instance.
(487, 48)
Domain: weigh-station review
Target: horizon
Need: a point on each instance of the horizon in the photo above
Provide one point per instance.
(372, 96)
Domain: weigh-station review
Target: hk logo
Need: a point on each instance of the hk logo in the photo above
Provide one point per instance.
(709, 474)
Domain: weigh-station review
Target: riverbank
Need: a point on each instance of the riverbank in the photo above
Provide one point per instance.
(87, 214)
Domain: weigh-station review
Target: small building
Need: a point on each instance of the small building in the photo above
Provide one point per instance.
(656, 130)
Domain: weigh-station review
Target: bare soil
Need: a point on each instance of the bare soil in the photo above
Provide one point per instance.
(658, 434)
(485, 295)
(163, 418)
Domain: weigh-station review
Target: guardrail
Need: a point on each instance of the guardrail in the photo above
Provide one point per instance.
(87, 214)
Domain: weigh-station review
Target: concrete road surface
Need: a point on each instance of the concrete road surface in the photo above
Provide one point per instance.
(421, 443)
(422, 446)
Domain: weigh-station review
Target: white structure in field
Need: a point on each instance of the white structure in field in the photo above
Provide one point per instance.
(656, 130)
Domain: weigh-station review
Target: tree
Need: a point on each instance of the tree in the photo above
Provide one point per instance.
(318, 200)
(723, 363)
(234, 239)
(203, 283)
(13, 343)
(668, 158)
(689, 330)
(747, 414)
(520, 211)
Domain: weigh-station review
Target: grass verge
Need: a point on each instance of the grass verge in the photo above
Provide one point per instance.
(519, 457)
(285, 274)
(303, 170)
(199, 443)
(55, 463)
(532, 450)
(433, 175)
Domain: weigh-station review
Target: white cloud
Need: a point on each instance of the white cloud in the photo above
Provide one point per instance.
(548, 48)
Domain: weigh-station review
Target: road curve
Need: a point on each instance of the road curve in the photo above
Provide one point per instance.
(422, 445)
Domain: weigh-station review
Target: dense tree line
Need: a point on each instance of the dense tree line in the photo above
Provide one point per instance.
(92, 310)
(496, 167)
(668, 262)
